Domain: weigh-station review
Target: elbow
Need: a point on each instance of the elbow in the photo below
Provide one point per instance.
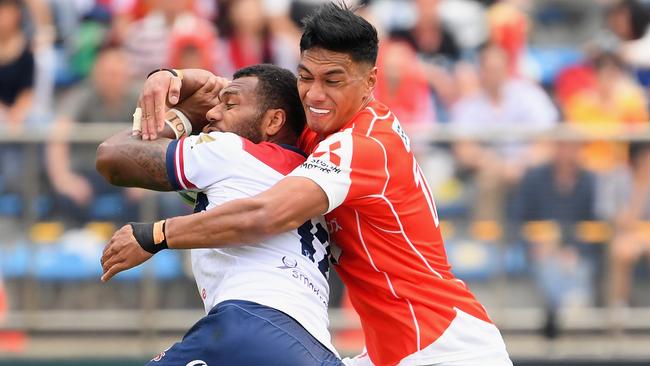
(106, 163)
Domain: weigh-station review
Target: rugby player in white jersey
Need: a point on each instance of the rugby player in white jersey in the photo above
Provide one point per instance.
(266, 303)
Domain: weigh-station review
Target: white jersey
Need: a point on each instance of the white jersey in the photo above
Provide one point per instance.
(287, 272)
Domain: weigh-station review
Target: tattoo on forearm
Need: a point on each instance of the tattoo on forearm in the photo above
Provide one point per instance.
(150, 157)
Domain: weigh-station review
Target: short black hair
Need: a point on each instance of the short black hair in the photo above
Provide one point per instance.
(277, 88)
(335, 27)
(639, 16)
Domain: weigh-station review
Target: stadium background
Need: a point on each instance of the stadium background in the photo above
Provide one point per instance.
(531, 124)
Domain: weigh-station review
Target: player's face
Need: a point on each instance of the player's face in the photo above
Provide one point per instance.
(238, 110)
(333, 88)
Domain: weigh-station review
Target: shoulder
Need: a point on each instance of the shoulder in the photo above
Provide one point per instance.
(280, 158)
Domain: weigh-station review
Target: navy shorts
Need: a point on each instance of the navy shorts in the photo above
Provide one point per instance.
(244, 333)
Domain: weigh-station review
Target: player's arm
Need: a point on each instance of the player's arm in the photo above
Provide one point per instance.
(285, 206)
(128, 161)
(318, 186)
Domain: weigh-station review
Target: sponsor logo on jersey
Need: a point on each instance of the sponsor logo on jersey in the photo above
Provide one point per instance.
(322, 165)
(402, 135)
(288, 263)
(333, 226)
(333, 157)
(306, 280)
(158, 357)
(302, 277)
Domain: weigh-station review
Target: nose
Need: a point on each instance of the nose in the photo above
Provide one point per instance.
(315, 94)
(215, 114)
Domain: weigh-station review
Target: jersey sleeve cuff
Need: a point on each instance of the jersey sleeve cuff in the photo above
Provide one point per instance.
(331, 201)
(171, 166)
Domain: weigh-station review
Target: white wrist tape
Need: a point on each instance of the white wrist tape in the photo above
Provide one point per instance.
(137, 120)
(179, 123)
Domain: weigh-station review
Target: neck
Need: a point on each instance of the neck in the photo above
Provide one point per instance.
(283, 138)
(366, 101)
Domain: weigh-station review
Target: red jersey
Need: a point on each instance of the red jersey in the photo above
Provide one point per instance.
(386, 238)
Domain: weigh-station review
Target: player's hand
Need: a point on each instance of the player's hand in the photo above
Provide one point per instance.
(159, 89)
(121, 253)
(196, 106)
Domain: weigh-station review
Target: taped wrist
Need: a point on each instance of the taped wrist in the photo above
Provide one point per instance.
(150, 236)
(178, 122)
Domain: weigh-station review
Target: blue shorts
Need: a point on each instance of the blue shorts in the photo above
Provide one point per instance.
(243, 333)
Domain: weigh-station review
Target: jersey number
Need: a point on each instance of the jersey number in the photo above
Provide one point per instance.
(421, 182)
(307, 241)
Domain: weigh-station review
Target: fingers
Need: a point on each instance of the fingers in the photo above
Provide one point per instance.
(110, 262)
(153, 103)
(148, 108)
(113, 270)
(221, 83)
(209, 85)
(159, 114)
(174, 90)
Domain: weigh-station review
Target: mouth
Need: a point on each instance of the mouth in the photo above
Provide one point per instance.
(318, 111)
(212, 129)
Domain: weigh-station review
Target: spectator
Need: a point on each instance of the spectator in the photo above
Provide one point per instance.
(630, 21)
(563, 192)
(402, 84)
(509, 26)
(246, 35)
(627, 203)
(430, 38)
(193, 45)
(16, 66)
(503, 103)
(438, 51)
(616, 99)
(71, 167)
(147, 40)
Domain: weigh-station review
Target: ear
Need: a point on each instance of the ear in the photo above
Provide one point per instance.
(371, 81)
(273, 122)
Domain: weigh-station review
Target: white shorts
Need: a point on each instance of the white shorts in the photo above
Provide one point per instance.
(467, 342)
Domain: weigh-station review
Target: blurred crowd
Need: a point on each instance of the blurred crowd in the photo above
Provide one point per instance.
(472, 64)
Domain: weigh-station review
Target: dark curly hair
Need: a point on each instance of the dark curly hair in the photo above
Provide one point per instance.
(277, 88)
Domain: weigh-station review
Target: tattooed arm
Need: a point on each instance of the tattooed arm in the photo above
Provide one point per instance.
(128, 161)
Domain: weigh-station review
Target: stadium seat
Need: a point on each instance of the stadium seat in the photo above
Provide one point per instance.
(550, 61)
(473, 260)
(14, 260)
(10, 205)
(165, 265)
(107, 207)
(46, 232)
